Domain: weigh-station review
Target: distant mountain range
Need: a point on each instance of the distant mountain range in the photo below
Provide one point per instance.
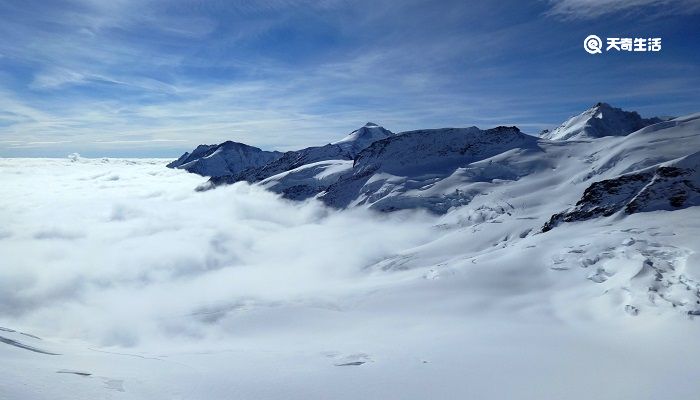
(601, 162)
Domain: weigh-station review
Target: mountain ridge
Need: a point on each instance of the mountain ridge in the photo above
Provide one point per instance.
(441, 169)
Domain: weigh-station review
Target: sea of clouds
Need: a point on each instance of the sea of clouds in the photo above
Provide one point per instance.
(129, 273)
(124, 252)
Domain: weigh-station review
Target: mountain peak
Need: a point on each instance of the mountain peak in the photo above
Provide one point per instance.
(600, 120)
(359, 139)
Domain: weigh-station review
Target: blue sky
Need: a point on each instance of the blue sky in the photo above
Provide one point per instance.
(155, 78)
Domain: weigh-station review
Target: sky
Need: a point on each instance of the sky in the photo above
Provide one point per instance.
(152, 78)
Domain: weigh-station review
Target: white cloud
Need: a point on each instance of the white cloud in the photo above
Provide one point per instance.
(121, 252)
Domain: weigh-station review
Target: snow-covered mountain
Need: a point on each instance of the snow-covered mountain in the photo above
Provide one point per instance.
(342, 183)
(440, 169)
(227, 158)
(237, 168)
(360, 139)
(408, 170)
(288, 161)
(599, 121)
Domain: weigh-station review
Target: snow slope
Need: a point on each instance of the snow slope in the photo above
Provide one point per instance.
(290, 160)
(307, 180)
(666, 186)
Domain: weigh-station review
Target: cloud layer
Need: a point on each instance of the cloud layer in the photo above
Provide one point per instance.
(120, 253)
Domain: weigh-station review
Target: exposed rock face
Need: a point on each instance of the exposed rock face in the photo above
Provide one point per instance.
(667, 186)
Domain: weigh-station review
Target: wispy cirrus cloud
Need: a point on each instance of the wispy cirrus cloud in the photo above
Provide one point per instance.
(161, 77)
(588, 9)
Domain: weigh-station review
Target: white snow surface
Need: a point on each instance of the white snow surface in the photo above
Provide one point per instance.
(118, 281)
